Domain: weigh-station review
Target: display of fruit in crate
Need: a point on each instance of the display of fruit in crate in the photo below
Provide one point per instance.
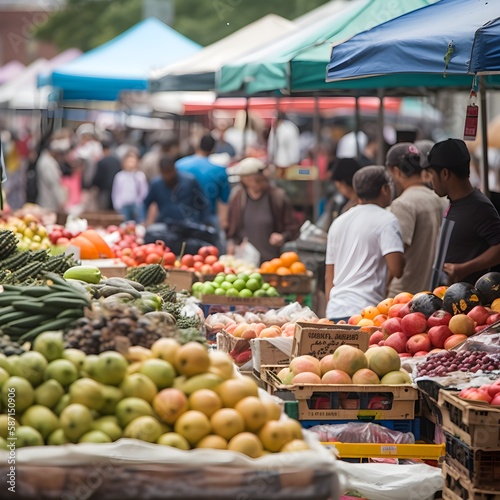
(486, 393)
(235, 285)
(347, 365)
(179, 396)
(60, 236)
(206, 261)
(415, 325)
(31, 234)
(287, 263)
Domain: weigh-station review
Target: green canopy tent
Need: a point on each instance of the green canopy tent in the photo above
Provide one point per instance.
(296, 62)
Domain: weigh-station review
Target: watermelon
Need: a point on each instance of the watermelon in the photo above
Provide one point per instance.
(489, 287)
(460, 298)
(426, 303)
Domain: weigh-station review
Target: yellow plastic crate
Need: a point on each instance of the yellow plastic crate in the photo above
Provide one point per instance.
(378, 450)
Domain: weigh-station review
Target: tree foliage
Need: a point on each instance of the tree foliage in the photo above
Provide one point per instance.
(86, 24)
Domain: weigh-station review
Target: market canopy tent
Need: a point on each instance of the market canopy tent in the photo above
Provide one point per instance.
(199, 71)
(397, 54)
(123, 63)
(486, 49)
(296, 62)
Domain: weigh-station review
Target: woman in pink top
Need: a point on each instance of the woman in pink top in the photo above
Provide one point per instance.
(130, 188)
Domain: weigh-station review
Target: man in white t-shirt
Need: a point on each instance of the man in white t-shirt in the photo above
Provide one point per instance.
(284, 144)
(364, 244)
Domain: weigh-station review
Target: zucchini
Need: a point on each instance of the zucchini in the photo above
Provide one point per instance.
(29, 307)
(5, 319)
(29, 321)
(52, 325)
(89, 274)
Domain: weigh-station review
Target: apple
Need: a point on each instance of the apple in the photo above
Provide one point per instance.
(62, 241)
(495, 400)
(404, 355)
(204, 252)
(169, 258)
(198, 258)
(413, 324)
(391, 325)
(439, 318)
(394, 310)
(476, 394)
(211, 259)
(493, 319)
(494, 389)
(187, 260)
(206, 269)
(419, 342)
(480, 328)
(197, 266)
(381, 343)
(479, 314)
(454, 340)
(376, 337)
(397, 341)
(421, 353)
(438, 335)
(218, 267)
(404, 311)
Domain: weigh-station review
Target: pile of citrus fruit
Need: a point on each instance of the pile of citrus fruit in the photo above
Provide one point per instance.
(287, 263)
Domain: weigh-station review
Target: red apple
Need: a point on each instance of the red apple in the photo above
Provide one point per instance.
(62, 241)
(204, 252)
(479, 314)
(213, 250)
(421, 353)
(454, 340)
(198, 258)
(391, 325)
(496, 400)
(414, 323)
(397, 341)
(218, 267)
(169, 258)
(478, 395)
(394, 310)
(439, 318)
(405, 310)
(493, 319)
(198, 265)
(405, 355)
(438, 335)
(187, 260)
(381, 343)
(494, 389)
(419, 342)
(376, 337)
(480, 328)
(211, 259)
(206, 269)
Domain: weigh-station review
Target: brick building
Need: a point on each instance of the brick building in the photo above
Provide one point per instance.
(18, 22)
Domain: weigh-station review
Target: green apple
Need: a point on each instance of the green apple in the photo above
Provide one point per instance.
(239, 284)
(232, 292)
(220, 291)
(246, 293)
(207, 288)
(253, 284)
(231, 278)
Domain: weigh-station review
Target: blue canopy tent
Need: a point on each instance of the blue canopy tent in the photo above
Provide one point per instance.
(485, 57)
(122, 64)
(398, 54)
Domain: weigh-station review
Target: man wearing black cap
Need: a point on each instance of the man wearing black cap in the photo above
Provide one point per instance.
(419, 212)
(474, 244)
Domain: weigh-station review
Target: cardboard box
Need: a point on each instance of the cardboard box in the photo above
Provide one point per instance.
(274, 351)
(182, 280)
(347, 402)
(318, 339)
(111, 268)
(242, 301)
(291, 283)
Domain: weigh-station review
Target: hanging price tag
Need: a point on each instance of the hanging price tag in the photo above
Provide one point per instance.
(471, 118)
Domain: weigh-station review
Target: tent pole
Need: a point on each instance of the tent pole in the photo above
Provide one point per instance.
(380, 130)
(245, 127)
(317, 137)
(484, 135)
(357, 126)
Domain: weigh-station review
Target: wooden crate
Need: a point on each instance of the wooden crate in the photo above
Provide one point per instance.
(242, 301)
(180, 279)
(346, 402)
(476, 425)
(458, 487)
(291, 283)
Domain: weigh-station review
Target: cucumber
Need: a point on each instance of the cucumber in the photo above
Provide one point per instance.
(52, 325)
(5, 319)
(67, 303)
(30, 307)
(89, 274)
(70, 314)
(6, 299)
(36, 291)
(29, 321)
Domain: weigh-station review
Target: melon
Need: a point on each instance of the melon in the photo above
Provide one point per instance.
(460, 298)
(489, 287)
(426, 303)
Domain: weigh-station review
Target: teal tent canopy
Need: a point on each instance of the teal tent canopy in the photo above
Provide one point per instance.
(122, 64)
(297, 61)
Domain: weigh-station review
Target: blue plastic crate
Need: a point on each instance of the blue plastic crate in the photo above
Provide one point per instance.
(412, 426)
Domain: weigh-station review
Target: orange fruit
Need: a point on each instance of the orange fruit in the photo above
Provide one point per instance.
(385, 305)
(365, 322)
(403, 298)
(282, 271)
(87, 249)
(298, 268)
(276, 263)
(267, 268)
(288, 258)
(98, 241)
(370, 312)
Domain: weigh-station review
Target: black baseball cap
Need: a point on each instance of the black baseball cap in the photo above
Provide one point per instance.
(451, 154)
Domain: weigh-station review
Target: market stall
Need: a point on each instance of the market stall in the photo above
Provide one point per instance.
(230, 373)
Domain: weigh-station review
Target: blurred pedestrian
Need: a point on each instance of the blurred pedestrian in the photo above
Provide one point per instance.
(175, 196)
(284, 144)
(151, 160)
(259, 212)
(107, 167)
(419, 211)
(474, 244)
(364, 245)
(130, 188)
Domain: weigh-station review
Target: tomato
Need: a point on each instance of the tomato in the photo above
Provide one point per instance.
(153, 258)
(129, 262)
(169, 258)
(139, 255)
(126, 251)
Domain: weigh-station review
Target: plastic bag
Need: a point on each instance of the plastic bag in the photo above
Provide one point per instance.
(361, 432)
(248, 253)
